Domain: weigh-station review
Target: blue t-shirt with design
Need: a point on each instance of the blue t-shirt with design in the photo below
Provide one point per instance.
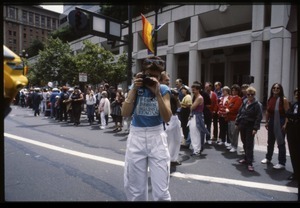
(146, 112)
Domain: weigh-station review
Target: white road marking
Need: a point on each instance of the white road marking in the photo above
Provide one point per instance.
(236, 182)
(175, 174)
(64, 150)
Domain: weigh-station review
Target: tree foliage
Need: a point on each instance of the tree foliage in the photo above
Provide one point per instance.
(66, 34)
(57, 63)
(34, 48)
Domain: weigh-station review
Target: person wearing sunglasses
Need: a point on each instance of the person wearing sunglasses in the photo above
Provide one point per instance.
(148, 102)
(248, 122)
(277, 106)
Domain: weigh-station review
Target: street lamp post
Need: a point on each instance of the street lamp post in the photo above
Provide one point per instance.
(23, 55)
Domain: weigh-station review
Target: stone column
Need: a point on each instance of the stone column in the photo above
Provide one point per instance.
(194, 66)
(286, 63)
(257, 63)
(275, 59)
(172, 67)
(257, 49)
(172, 62)
(280, 47)
(279, 63)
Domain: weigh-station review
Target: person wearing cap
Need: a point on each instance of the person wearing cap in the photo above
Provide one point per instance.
(148, 102)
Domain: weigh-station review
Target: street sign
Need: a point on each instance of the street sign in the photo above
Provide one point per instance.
(82, 77)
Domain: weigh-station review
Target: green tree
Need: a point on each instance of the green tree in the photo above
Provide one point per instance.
(34, 48)
(118, 74)
(54, 63)
(99, 64)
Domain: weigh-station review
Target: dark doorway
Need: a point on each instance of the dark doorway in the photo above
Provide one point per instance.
(217, 70)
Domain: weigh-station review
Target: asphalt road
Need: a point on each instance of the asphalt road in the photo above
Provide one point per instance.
(46, 160)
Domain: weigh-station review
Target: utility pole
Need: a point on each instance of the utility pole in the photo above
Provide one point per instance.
(129, 56)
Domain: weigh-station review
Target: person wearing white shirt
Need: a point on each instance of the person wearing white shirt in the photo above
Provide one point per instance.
(90, 99)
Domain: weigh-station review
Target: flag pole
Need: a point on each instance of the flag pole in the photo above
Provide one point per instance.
(155, 31)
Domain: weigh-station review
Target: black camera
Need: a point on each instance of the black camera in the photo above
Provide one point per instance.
(147, 80)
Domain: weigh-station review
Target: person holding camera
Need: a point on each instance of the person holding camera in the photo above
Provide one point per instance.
(148, 102)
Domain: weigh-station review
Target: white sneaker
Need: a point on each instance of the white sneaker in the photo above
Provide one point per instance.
(279, 167)
(264, 161)
(102, 127)
(227, 144)
(229, 147)
(219, 143)
(209, 142)
(232, 149)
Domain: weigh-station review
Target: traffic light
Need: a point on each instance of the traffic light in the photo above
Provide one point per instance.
(78, 19)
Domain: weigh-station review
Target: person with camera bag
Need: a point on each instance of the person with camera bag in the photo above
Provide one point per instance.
(148, 102)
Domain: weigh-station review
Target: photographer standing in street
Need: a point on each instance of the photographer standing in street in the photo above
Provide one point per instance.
(148, 102)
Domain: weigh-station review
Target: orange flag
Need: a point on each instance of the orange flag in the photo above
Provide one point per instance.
(147, 34)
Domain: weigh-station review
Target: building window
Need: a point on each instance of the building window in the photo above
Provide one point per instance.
(12, 12)
(48, 22)
(24, 16)
(53, 24)
(30, 18)
(10, 32)
(15, 41)
(183, 30)
(43, 21)
(37, 19)
(15, 33)
(24, 35)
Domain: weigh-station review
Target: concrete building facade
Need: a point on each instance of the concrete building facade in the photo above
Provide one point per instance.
(226, 42)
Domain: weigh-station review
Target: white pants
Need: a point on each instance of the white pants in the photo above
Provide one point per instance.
(103, 121)
(195, 135)
(173, 130)
(147, 147)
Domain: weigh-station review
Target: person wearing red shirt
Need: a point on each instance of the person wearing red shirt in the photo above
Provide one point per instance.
(214, 102)
(232, 109)
(277, 106)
